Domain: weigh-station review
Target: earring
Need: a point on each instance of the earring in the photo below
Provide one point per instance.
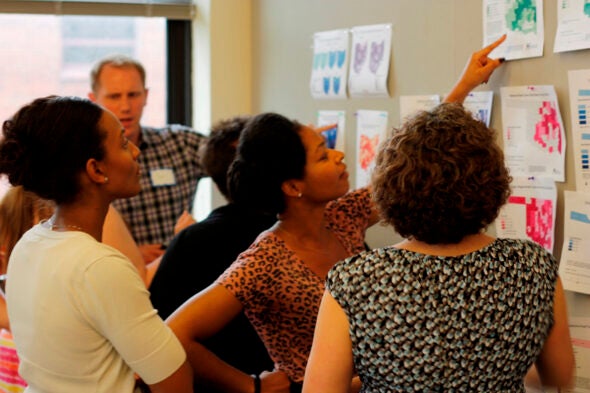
(106, 179)
(299, 195)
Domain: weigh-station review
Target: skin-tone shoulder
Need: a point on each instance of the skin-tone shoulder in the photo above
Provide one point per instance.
(116, 234)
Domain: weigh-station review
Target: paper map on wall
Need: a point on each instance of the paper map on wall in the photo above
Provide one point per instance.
(479, 103)
(533, 132)
(573, 25)
(530, 212)
(330, 64)
(336, 136)
(579, 87)
(369, 62)
(371, 130)
(521, 21)
(574, 267)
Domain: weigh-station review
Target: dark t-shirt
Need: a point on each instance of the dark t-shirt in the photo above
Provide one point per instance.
(193, 261)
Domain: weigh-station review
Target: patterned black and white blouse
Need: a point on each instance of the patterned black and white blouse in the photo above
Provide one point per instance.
(422, 323)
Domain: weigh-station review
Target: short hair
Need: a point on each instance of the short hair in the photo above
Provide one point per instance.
(220, 150)
(47, 143)
(19, 211)
(118, 61)
(270, 151)
(441, 176)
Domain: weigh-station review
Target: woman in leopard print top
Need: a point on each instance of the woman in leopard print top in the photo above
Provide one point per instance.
(283, 168)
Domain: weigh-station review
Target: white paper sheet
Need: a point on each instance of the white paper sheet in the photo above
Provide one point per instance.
(479, 103)
(574, 267)
(369, 62)
(330, 64)
(573, 25)
(335, 137)
(580, 334)
(521, 21)
(371, 131)
(530, 212)
(409, 105)
(533, 132)
(579, 87)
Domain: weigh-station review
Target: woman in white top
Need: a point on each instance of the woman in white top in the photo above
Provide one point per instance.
(80, 314)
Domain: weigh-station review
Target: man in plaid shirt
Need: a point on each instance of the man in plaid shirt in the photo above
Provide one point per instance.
(169, 159)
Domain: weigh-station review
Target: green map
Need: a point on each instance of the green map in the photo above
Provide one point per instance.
(521, 16)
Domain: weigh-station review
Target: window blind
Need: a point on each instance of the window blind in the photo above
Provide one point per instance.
(170, 9)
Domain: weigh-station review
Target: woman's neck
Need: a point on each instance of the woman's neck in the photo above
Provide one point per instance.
(469, 243)
(79, 217)
(306, 224)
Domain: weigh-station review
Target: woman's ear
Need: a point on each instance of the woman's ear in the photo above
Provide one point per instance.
(292, 188)
(94, 170)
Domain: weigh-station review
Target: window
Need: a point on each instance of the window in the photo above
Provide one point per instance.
(48, 54)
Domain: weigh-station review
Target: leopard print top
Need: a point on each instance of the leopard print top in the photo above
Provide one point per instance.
(471, 323)
(280, 295)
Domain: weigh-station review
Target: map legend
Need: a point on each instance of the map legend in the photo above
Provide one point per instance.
(582, 115)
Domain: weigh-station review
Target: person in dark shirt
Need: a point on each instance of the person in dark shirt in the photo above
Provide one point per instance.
(200, 253)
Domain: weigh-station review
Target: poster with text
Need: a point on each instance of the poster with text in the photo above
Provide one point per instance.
(579, 87)
(573, 25)
(371, 131)
(409, 105)
(574, 268)
(335, 136)
(580, 336)
(521, 21)
(369, 61)
(479, 103)
(330, 64)
(533, 133)
(529, 212)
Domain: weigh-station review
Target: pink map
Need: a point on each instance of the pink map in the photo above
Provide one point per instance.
(368, 150)
(539, 219)
(548, 130)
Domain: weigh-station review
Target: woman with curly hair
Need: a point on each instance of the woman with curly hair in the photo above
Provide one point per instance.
(80, 314)
(450, 308)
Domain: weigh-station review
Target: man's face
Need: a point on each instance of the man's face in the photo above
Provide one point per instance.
(121, 91)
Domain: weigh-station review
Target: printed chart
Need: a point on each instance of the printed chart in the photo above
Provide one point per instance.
(533, 132)
(530, 212)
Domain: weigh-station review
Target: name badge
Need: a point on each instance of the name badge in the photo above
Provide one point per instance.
(162, 177)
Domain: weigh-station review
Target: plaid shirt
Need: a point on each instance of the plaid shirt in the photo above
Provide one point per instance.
(152, 214)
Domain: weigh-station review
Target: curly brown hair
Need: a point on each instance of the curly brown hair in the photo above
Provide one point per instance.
(441, 176)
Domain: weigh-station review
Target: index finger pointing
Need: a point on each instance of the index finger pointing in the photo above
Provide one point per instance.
(488, 49)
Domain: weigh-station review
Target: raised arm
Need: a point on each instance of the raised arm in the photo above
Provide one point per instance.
(478, 70)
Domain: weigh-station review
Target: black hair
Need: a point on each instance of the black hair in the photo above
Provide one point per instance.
(47, 143)
(270, 151)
